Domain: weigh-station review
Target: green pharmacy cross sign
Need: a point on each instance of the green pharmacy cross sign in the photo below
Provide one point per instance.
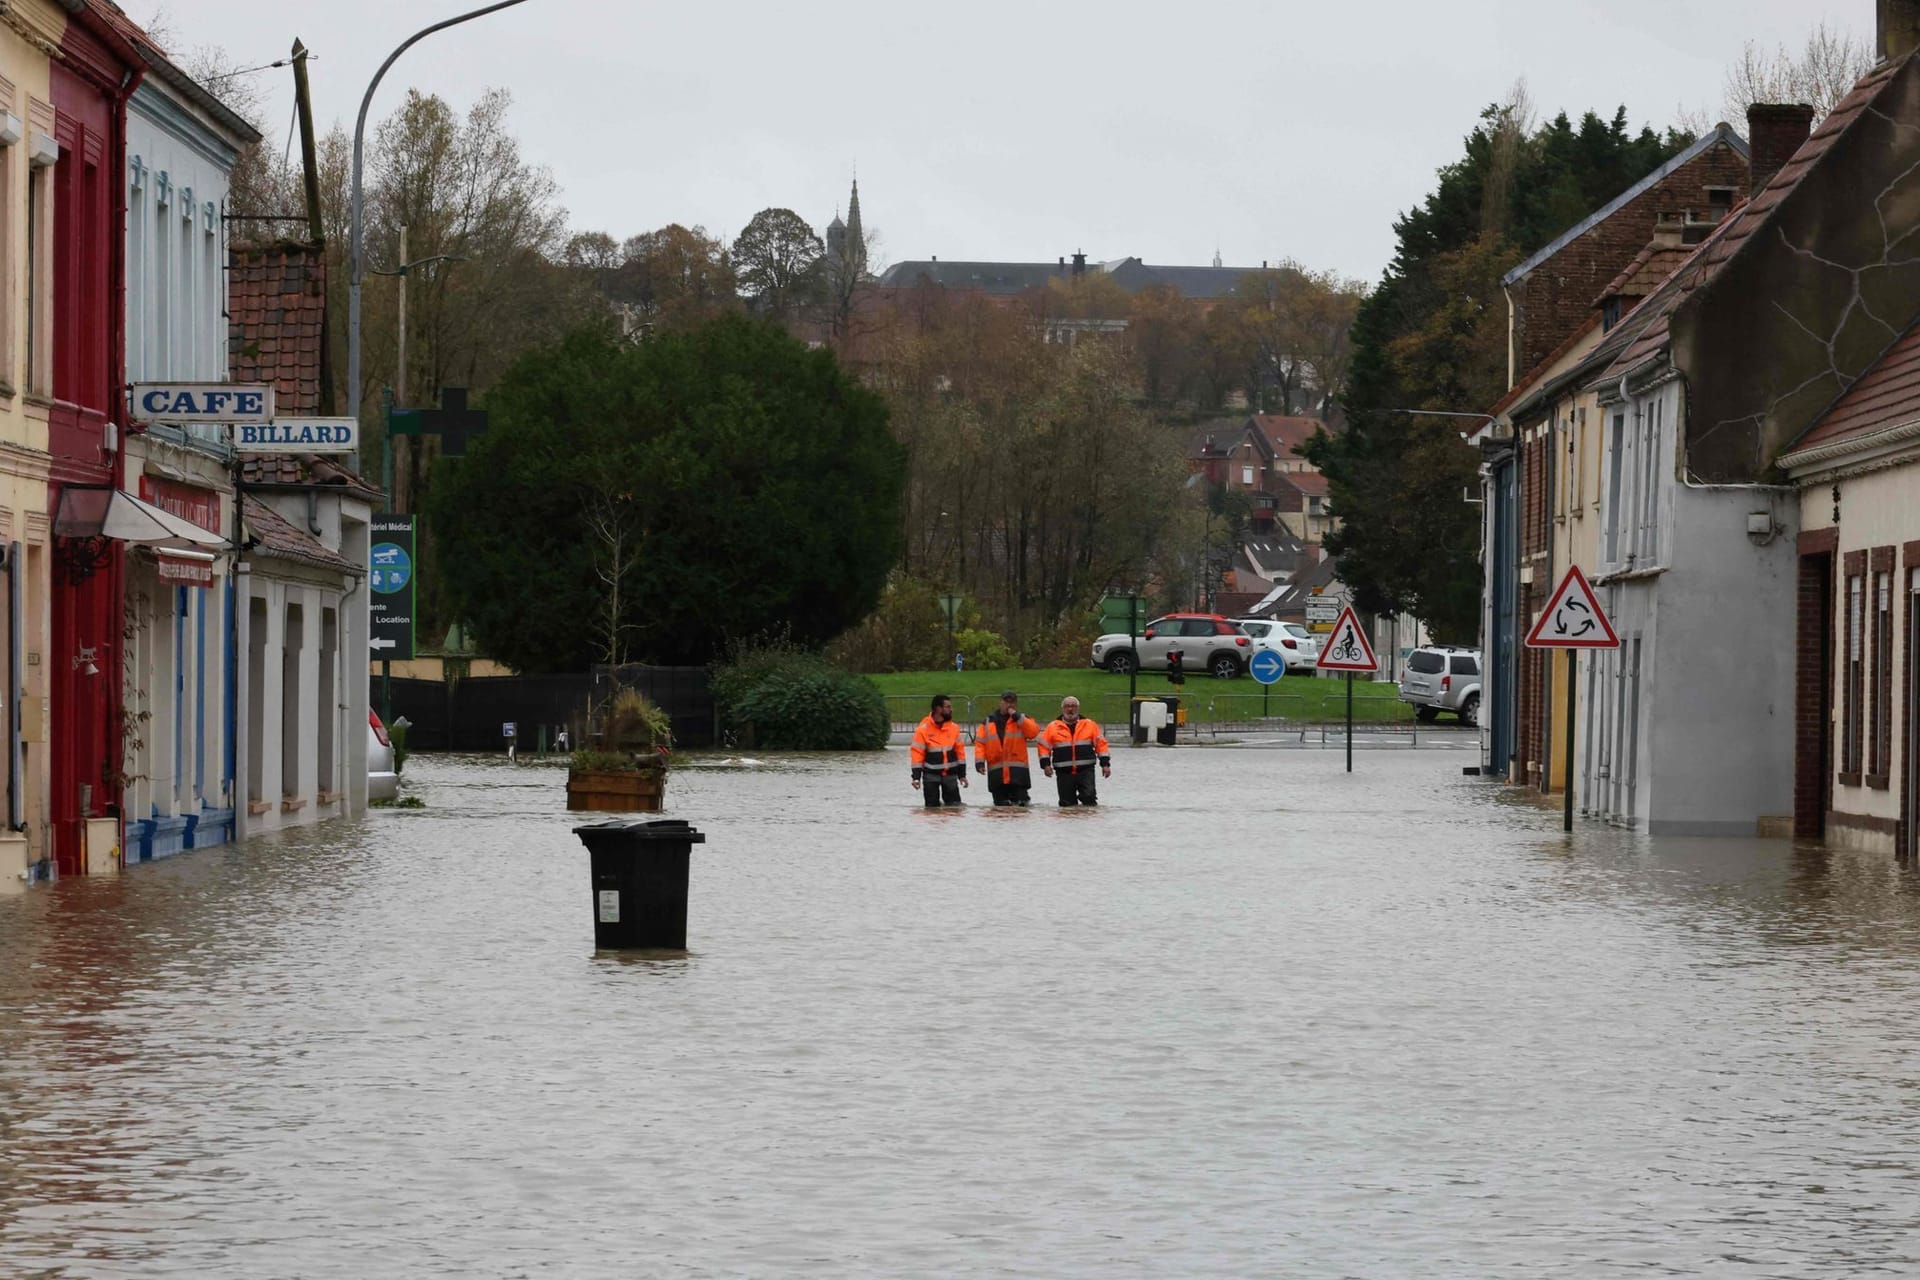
(453, 422)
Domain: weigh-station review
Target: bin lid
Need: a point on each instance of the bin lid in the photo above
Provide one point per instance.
(678, 829)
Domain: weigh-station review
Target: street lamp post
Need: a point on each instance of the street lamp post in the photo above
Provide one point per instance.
(399, 400)
(353, 238)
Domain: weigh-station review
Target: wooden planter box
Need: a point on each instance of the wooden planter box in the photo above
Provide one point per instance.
(616, 790)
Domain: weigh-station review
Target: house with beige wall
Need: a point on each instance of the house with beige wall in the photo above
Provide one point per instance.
(1858, 700)
(31, 29)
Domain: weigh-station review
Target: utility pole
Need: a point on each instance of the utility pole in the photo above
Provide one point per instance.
(401, 468)
(316, 224)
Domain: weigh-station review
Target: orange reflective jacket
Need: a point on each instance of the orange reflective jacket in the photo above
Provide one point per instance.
(1001, 745)
(937, 749)
(1080, 747)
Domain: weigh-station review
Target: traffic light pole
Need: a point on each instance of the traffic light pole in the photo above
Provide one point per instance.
(1133, 633)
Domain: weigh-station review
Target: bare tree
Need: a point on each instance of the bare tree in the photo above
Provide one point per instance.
(613, 524)
(1820, 74)
(265, 181)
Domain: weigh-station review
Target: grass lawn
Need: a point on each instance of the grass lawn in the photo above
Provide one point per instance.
(1103, 695)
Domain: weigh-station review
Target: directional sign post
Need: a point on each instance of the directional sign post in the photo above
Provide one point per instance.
(390, 598)
(1347, 649)
(1266, 667)
(1573, 620)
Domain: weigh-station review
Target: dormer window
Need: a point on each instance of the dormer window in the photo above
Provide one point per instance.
(1609, 313)
(1719, 202)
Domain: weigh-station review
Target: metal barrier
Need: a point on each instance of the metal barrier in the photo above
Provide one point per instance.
(1109, 710)
(1208, 714)
(1378, 717)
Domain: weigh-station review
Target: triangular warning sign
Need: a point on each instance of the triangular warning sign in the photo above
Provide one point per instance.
(1346, 648)
(1573, 618)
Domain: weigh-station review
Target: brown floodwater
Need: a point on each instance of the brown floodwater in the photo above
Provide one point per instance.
(1251, 1017)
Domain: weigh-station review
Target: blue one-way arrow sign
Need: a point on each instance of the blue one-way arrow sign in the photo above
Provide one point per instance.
(1267, 666)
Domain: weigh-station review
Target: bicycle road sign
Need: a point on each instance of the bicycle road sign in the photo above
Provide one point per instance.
(1347, 648)
(1573, 618)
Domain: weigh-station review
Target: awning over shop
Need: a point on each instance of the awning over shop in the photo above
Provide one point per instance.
(93, 512)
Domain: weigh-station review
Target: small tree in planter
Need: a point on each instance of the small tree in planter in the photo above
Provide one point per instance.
(626, 771)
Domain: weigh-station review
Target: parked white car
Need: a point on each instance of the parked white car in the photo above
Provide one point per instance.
(383, 780)
(1292, 641)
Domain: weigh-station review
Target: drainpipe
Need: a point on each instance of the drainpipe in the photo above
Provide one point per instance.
(1512, 327)
(16, 699)
(242, 657)
(116, 666)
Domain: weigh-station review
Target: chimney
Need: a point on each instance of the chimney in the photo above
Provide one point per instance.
(1774, 132)
(1079, 264)
(1669, 228)
(1896, 27)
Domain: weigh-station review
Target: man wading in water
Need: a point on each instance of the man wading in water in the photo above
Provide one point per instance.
(1069, 748)
(938, 757)
(1000, 751)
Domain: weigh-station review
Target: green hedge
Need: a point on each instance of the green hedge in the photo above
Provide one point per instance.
(792, 701)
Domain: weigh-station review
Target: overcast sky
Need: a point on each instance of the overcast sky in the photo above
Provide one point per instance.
(986, 129)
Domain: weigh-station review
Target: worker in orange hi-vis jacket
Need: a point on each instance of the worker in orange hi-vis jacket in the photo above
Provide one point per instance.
(939, 756)
(1000, 751)
(1070, 747)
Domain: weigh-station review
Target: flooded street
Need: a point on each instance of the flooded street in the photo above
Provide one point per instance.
(1253, 1017)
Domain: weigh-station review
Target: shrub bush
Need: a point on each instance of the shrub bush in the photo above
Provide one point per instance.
(792, 700)
(983, 650)
(907, 632)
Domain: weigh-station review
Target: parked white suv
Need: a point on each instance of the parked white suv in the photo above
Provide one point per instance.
(1292, 641)
(1442, 678)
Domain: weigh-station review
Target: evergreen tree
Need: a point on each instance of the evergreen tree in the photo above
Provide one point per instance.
(651, 501)
(1432, 336)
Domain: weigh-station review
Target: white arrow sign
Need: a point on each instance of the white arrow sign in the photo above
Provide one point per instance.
(1346, 648)
(381, 642)
(1573, 618)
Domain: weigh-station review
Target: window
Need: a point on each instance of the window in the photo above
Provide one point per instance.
(1257, 630)
(1646, 543)
(1465, 665)
(1577, 492)
(1880, 737)
(1313, 506)
(1204, 627)
(1246, 476)
(1616, 463)
(1854, 671)
(37, 310)
(1426, 662)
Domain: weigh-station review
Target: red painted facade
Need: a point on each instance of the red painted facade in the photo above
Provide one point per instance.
(90, 85)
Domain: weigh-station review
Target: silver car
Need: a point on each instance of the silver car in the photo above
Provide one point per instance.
(1442, 678)
(383, 780)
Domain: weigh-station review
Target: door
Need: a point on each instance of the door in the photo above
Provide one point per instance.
(1910, 724)
(1500, 683)
(1161, 634)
